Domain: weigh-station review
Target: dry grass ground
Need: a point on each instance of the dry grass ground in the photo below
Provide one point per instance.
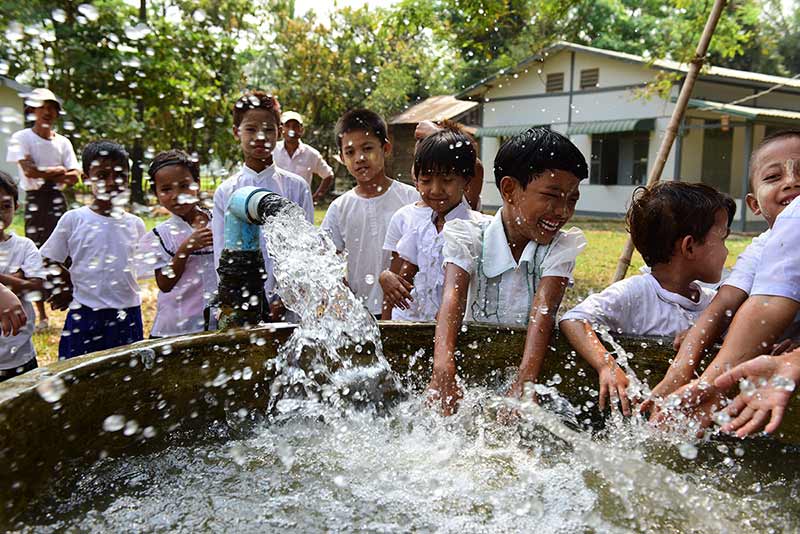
(593, 272)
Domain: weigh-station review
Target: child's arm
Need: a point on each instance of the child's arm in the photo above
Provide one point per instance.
(57, 174)
(443, 387)
(20, 285)
(397, 282)
(61, 292)
(542, 319)
(613, 380)
(200, 238)
(12, 316)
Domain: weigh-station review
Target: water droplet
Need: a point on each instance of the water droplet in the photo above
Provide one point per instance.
(339, 481)
(113, 423)
(688, 451)
(52, 389)
(199, 15)
(131, 427)
(149, 432)
(199, 123)
(59, 15)
(369, 279)
(135, 33)
(89, 11)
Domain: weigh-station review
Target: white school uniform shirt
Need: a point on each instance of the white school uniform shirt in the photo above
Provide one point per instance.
(744, 270)
(640, 306)
(305, 162)
(402, 221)
(358, 225)
(103, 252)
(20, 254)
(181, 311)
(778, 272)
(500, 289)
(422, 246)
(46, 153)
(273, 178)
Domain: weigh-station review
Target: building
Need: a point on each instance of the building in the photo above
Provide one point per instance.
(11, 117)
(401, 128)
(598, 98)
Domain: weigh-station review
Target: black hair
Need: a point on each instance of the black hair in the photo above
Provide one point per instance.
(103, 149)
(666, 212)
(445, 152)
(775, 136)
(7, 184)
(361, 119)
(526, 156)
(168, 158)
(256, 100)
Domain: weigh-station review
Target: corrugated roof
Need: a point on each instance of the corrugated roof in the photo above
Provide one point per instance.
(719, 73)
(744, 111)
(604, 127)
(433, 108)
(15, 85)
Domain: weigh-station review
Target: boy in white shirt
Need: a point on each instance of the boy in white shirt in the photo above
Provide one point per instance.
(179, 251)
(20, 271)
(257, 126)
(357, 221)
(95, 246)
(302, 159)
(47, 164)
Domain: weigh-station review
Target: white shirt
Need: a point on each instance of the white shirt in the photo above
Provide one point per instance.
(500, 289)
(640, 306)
(103, 252)
(306, 161)
(744, 270)
(46, 153)
(422, 246)
(358, 225)
(20, 254)
(181, 311)
(778, 272)
(402, 221)
(273, 178)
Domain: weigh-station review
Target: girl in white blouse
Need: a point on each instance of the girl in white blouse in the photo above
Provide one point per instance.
(514, 267)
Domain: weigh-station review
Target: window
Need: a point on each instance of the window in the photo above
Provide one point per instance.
(619, 158)
(555, 82)
(590, 78)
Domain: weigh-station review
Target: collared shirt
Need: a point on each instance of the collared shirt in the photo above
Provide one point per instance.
(744, 270)
(46, 153)
(403, 221)
(778, 272)
(422, 246)
(500, 289)
(273, 178)
(306, 161)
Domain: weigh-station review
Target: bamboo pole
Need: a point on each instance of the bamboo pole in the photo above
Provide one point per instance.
(674, 122)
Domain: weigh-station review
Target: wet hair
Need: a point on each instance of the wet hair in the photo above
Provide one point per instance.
(526, 156)
(445, 152)
(7, 184)
(104, 149)
(364, 120)
(769, 139)
(256, 100)
(169, 158)
(661, 215)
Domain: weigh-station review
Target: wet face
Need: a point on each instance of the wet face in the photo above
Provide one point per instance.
(442, 192)
(46, 114)
(292, 131)
(776, 178)
(363, 155)
(541, 209)
(712, 252)
(176, 189)
(257, 134)
(108, 178)
(7, 208)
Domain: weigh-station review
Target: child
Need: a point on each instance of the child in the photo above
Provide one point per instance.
(515, 267)
(773, 188)
(443, 165)
(257, 126)
(21, 272)
(47, 164)
(99, 240)
(680, 230)
(179, 249)
(358, 220)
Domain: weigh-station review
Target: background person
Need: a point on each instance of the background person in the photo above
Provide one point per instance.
(302, 159)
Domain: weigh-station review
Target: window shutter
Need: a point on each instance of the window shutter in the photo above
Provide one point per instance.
(590, 78)
(555, 82)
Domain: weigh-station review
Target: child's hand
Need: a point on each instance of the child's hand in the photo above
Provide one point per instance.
(396, 290)
(200, 238)
(12, 316)
(613, 386)
(444, 389)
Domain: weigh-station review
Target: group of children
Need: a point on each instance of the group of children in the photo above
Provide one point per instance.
(422, 253)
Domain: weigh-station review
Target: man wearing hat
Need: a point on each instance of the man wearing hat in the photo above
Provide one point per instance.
(295, 156)
(47, 164)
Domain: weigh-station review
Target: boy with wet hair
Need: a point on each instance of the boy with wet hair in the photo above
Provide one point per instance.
(257, 127)
(95, 248)
(357, 221)
(680, 230)
(22, 273)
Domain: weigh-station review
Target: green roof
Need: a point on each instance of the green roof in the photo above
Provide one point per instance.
(503, 131)
(604, 127)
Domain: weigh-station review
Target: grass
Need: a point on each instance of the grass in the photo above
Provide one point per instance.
(593, 272)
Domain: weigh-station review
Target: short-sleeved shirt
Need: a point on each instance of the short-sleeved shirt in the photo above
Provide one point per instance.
(20, 254)
(273, 178)
(402, 221)
(46, 153)
(103, 252)
(778, 272)
(422, 246)
(305, 162)
(181, 310)
(744, 270)
(500, 289)
(640, 306)
(358, 225)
